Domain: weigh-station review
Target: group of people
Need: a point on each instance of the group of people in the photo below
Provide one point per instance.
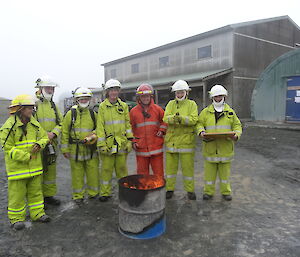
(30, 136)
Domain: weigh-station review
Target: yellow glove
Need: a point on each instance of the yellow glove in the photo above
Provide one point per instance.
(104, 149)
(129, 146)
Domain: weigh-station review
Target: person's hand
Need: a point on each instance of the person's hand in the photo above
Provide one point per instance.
(234, 137)
(129, 146)
(134, 146)
(51, 135)
(202, 134)
(67, 155)
(177, 118)
(159, 134)
(35, 148)
(104, 149)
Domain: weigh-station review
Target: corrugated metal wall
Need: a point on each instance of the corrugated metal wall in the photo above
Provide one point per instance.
(269, 96)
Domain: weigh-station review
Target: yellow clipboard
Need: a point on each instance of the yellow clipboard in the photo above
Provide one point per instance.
(219, 134)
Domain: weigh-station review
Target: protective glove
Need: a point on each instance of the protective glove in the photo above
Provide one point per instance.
(103, 149)
(177, 119)
(129, 146)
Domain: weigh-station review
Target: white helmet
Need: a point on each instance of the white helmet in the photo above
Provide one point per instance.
(45, 81)
(83, 92)
(180, 85)
(112, 83)
(217, 90)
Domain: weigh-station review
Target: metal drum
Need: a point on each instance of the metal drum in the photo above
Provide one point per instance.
(142, 204)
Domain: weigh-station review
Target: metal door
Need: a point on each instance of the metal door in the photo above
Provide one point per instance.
(293, 99)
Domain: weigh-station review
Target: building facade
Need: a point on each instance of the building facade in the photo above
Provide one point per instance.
(233, 56)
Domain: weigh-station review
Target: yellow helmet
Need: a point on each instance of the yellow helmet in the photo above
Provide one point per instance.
(19, 101)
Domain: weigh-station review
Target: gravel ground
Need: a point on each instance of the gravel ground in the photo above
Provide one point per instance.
(262, 220)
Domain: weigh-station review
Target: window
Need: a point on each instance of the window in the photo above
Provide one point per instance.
(163, 61)
(135, 68)
(204, 52)
(113, 73)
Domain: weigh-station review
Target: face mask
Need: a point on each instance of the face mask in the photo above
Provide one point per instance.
(46, 95)
(182, 98)
(84, 105)
(219, 106)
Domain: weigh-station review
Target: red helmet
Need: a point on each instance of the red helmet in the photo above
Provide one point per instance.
(144, 89)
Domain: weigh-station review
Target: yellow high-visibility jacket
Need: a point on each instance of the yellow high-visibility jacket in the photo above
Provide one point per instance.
(113, 127)
(181, 117)
(220, 149)
(45, 115)
(72, 135)
(18, 146)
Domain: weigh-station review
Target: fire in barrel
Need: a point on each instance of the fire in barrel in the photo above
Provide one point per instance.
(142, 206)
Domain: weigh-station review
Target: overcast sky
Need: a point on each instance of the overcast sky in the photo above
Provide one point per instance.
(68, 40)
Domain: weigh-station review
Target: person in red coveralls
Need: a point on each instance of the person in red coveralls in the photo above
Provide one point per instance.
(148, 129)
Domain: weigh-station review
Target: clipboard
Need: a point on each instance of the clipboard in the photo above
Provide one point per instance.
(219, 134)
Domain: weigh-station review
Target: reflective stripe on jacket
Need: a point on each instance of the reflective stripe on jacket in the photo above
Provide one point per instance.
(145, 129)
(18, 147)
(220, 149)
(180, 135)
(113, 125)
(82, 127)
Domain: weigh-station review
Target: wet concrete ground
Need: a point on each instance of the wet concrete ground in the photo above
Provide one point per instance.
(262, 220)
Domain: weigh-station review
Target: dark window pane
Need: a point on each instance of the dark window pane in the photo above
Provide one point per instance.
(163, 61)
(113, 73)
(204, 52)
(135, 68)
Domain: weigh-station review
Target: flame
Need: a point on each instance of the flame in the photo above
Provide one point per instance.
(144, 182)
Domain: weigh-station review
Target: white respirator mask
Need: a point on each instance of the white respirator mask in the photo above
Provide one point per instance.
(219, 106)
(182, 98)
(84, 105)
(46, 95)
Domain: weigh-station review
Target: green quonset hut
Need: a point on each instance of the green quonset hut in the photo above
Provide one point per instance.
(276, 96)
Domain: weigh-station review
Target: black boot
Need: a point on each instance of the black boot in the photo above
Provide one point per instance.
(227, 197)
(103, 198)
(51, 200)
(207, 197)
(191, 195)
(169, 194)
(44, 219)
(18, 225)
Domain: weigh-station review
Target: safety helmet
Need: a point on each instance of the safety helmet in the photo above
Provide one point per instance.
(144, 89)
(180, 85)
(45, 81)
(83, 92)
(217, 90)
(19, 101)
(112, 83)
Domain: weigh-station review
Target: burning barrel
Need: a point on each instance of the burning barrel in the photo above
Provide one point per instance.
(142, 206)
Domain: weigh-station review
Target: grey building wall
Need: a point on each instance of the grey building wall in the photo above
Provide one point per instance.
(247, 47)
(182, 60)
